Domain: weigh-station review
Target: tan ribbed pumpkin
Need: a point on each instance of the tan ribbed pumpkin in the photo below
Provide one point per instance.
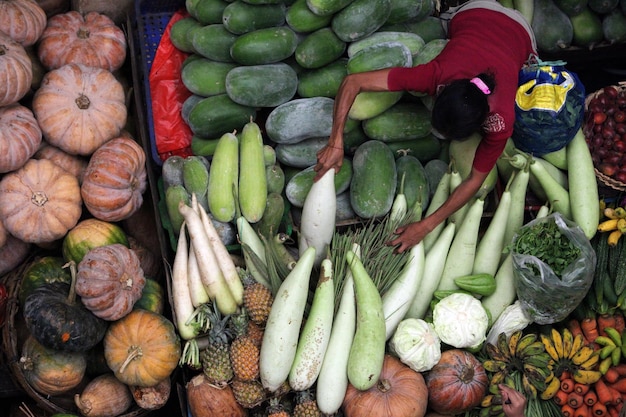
(79, 108)
(115, 180)
(20, 136)
(93, 40)
(23, 20)
(16, 72)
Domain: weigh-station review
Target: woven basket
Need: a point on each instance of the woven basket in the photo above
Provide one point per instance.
(602, 178)
(13, 335)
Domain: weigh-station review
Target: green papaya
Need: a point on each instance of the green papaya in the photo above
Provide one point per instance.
(552, 27)
(602, 6)
(587, 28)
(614, 26)
(571, 7)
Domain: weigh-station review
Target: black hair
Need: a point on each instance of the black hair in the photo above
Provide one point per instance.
(461, 107)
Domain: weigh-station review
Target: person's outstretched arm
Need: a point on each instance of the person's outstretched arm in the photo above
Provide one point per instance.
(513, 401)
(331, 156)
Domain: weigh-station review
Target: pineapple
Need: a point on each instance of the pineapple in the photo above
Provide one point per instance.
(248, 394)
(306, 406)
(257, 299)
(215, 358)
(244, 352)
(276, 408)
(255, 332)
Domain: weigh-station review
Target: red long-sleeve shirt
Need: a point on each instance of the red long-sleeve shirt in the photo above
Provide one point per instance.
(480, 41)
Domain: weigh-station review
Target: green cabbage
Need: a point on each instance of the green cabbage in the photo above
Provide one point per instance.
(461, 321)
(416, 344)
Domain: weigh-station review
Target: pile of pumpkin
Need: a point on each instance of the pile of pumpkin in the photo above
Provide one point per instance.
(72, 181)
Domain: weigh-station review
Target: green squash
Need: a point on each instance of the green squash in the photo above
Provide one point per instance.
(587, 28)
(88, 234)
(152, 297)
(553, 28)
(44, 270)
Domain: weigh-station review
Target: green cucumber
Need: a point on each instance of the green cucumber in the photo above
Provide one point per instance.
(252, 180)
(300, 119)
(264, 46)
(172, 171)
(379, 56)
(180, 33)
(272, 216)
(275, 178)
(374, 178)
(411, 40)
(425, 148)
(219, 114)
(240, 17)
(300, 184)
(266, 85)
(403, 121)
(324, 81)
(327, 7)
(368, 104)
(206, 11)
(405, 10)
(416, 187)
(196, 177)
(206, 77)
(173, 196)
(224, 178)
(303, 19)
(360, 18)
(213, 42)
(302, 154)
(319, 48)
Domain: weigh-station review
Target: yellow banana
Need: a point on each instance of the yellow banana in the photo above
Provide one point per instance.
(620, 212)
(578, 342)
(492, 365)
(591, 362)
(534, 348)
(513, 340)
(614, 335)
(614, 237)
(583, 354)
(526, 340)
(487, 400)
(503, 346)
(558, 341)
(605, 364)
(549, 347)
(609, 213)
(586, 376)
(608, 225)
(616, 356)
(606, 351)
(552, 387)
(568, 341)
(604, 341)
(529, 388)
(494, 353)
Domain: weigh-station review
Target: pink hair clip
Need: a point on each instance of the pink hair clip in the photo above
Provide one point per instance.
(481, 85)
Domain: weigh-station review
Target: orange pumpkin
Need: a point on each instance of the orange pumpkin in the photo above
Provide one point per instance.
(93, 40)
(400, 392)
(40, 202)
(109, 281)
(115, 180)
(20, 136)
(142, 348)
(457, 383)
(79, 108)
(22, 20)
(16, 72)
(51, 371)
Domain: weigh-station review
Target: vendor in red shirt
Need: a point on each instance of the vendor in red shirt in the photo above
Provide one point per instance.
(474, 79)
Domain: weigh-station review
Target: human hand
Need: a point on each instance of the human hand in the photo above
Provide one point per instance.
(328, 157)
(408, 236)
(513, 401)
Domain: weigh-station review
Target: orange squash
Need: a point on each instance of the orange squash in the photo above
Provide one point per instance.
(93, 40)
(74, 164)
(22, 20)
(400, 392)
(115, 180)
(457, 383)
(79, 108)
(51, 371)
(109, 281)
(20, 136)
(39, 202)
(142, 348)
(16, 72)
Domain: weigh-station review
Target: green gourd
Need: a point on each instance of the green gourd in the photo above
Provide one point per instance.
(587, 28)
(552, 27)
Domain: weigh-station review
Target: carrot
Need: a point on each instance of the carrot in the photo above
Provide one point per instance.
(612, 375)
(604, 394)
(599, 410)
(620, 322)
(582, 411)
(589, 327)
(612, 411)
(565, 375)
(575, 400)
(575, 328)
(620, 369)
(567, 410)
(567, 385)
(581, 389)
(560, 398)
(590, 398)
(619, 386)
(603, 321)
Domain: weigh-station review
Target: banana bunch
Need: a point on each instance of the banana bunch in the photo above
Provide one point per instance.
(612, 348)
(614, 224)
(569, 353)
(521, 354)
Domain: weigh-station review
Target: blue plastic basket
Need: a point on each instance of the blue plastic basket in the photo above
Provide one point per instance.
(152, 19)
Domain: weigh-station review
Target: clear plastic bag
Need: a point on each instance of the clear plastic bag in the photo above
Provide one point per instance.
(544, 295)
